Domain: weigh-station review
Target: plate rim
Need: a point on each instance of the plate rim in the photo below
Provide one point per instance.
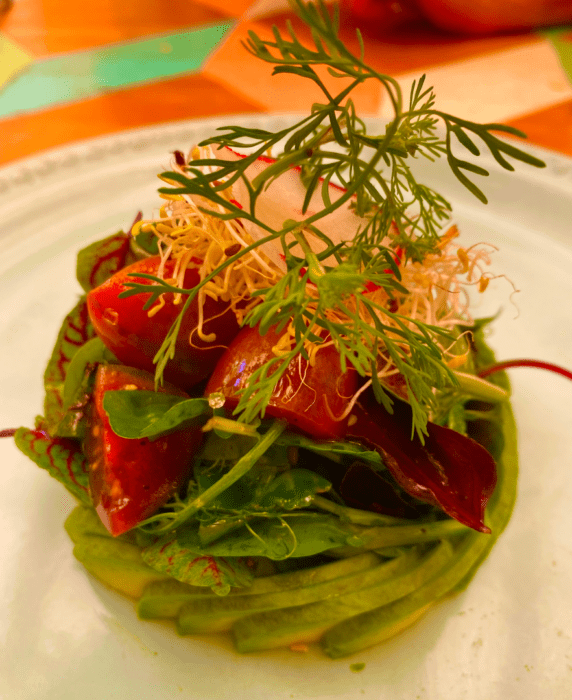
(22, 170)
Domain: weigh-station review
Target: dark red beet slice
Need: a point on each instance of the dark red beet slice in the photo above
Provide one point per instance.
(451, 471)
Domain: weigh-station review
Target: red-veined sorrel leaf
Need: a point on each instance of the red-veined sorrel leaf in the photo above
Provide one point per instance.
(451, 471)
(61, 457)
(219, 573)
(75, 331)
(101, 260)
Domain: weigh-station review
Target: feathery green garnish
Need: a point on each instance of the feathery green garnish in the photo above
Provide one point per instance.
(323, 295)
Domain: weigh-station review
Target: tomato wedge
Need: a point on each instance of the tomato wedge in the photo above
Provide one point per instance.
(130, 479)
(308, 396)
(135, 337)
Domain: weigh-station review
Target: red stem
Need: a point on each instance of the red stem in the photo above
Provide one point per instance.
(525, 363)
(8, 432)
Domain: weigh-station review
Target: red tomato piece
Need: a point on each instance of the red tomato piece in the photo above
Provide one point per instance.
(308, 396)
(130, 479)
(135, 337)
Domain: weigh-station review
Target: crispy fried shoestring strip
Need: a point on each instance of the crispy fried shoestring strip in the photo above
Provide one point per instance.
(192, 238)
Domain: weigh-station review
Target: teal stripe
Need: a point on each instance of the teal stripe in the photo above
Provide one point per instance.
(562, 41)
(84, 74)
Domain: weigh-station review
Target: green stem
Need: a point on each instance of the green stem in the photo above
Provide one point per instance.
(480, 388)
(395, 536)
(315, 268)
(356, 516)
(244, 465)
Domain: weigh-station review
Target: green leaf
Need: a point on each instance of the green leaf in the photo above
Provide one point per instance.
(76, 330)
(62, 458)
(335, 450)
(88, 355)
(138, 414)
(185, 511)
(293, 489)
(466, 141)
(266, 488)
(101, 260)
(171, 556)
(278, 537)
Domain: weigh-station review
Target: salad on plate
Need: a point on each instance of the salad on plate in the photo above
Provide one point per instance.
(273, 404)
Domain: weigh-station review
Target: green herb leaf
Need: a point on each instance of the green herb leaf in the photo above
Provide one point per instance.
(88, 355)
(76, 330)
(138, 414)
(277, 537)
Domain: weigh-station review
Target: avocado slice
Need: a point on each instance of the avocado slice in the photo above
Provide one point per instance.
(117, 563)
(307, 623)
(165, 599)
(350, 578)
(83, 520)
(365, 630)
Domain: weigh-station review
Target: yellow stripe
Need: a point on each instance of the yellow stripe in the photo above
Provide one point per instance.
(13, 59)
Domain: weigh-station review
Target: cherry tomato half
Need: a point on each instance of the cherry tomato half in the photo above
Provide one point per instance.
(131, 478)
(310, 396)
(135, 337)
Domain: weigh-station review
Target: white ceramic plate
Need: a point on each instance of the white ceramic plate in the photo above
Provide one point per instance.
(65, 636)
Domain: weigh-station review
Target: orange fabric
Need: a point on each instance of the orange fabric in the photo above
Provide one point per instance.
(231, 8)
(51, 26)
(169, 100)
(282, 93)
(551, 128)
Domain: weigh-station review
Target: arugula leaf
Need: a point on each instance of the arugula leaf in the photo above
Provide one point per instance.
(138, 414)
(61, 457)
(172, 557)
(75, 331)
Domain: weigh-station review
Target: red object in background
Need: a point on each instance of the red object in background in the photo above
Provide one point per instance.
(130, 479)
(383, 15)
(467, 17)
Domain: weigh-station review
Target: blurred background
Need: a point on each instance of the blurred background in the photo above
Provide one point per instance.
(69, 73)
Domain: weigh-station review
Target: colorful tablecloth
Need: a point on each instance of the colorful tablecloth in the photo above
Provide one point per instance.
(67, 72)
